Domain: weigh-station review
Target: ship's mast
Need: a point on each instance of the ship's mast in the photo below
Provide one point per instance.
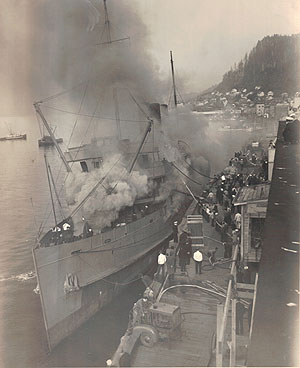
(147, 131)
(117, 113)
(173, 78)
(50, 188)
(107, 29)
(107, 24)
(61, 154)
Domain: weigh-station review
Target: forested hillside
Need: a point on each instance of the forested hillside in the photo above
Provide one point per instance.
(273, 64)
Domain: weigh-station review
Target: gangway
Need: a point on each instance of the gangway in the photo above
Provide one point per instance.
(195, 227)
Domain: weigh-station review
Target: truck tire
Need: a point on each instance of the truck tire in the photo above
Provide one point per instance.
(147, 339)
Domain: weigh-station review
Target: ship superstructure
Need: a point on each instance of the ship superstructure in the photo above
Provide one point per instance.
(122, 198)
(83, 263)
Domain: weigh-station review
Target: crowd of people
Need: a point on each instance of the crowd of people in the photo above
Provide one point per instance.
(216, 205)
(217, 199)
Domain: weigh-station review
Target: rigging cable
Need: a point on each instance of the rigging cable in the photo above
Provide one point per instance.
(194, 181)
(182, 100)
(100, 183)
(139, 106)
(94, 189)
(59, 171)
(75, 124)
(55, 191)
(39, 124)
(76, 121)
(93, 116)
(82, 140)
(125, 172)
(206, 176)
(61, 93)
(86, 131)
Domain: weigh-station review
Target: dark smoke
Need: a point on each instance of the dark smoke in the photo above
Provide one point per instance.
(51, 45)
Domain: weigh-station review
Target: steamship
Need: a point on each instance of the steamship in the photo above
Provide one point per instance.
(80, 272)
(84, 260)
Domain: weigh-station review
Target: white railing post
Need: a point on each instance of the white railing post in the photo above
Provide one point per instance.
(221, 335)
(253, 305)
(233, 334)
(219, 346)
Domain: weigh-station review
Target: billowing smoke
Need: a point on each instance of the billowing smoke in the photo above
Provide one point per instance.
(59, 45)
(189, 132)
(104, 205)
(209, 149)
(72, 52)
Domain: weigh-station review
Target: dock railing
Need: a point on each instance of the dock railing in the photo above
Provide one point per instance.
(224, 312)
(234, 290)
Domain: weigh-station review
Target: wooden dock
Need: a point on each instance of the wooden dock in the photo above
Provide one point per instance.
(196, 345)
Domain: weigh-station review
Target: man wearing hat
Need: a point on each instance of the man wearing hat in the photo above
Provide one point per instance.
(161, 260)
(198, 258)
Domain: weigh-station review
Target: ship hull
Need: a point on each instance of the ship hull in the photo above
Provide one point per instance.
(100, 293)
(103, 269)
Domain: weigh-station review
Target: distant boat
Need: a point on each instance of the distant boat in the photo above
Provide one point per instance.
(12, 136)
(47, 140)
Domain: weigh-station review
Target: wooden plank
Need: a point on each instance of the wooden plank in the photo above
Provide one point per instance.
(233, 334)
(245, 295)
(240, 285)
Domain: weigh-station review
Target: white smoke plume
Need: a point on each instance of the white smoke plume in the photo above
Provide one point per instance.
(103, 208)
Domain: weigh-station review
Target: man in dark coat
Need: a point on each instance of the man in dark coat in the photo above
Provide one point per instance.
(185, 250)
(182, 254)
(189, 249)
(227, 217)
(175, 231)
(182, 251)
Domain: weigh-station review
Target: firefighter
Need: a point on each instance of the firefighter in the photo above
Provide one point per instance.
(161, 260)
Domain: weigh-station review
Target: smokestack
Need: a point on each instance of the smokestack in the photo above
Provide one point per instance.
(163, 112)
(155, 110)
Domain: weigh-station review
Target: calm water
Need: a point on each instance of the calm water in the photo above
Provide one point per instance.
(24, 198)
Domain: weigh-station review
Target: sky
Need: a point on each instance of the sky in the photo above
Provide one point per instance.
(44, 42)
(208, 37)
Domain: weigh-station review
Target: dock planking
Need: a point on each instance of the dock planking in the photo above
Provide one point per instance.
(199, 311)
(193, 349)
